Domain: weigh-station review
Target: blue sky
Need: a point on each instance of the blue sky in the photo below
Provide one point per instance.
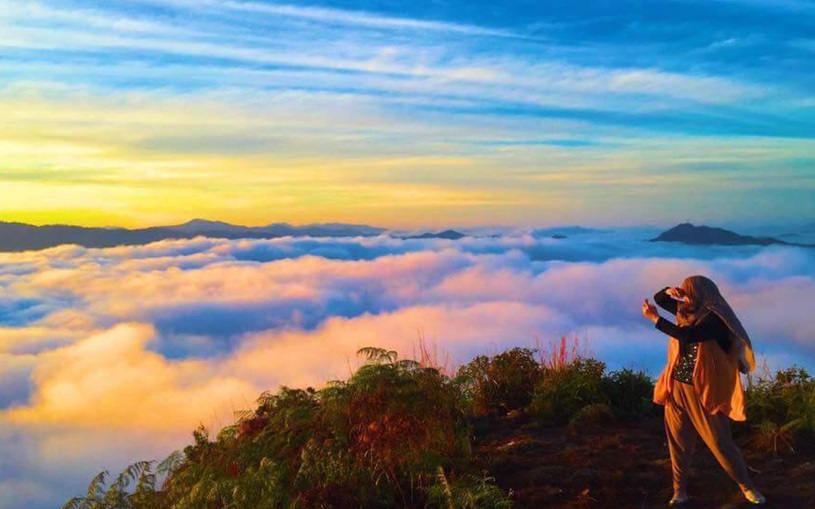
(408, 113)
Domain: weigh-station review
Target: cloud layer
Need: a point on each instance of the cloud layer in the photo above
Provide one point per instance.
(117, 354)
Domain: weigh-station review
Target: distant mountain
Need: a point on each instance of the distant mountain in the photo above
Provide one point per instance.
(446, 234)
(687, 233)
(200, 226)
(23, 237)
(563, 231)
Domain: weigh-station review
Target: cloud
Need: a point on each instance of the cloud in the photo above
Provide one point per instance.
(134, 343)
(110, 380)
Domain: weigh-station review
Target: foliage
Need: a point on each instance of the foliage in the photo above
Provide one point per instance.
(497, 385)
(101, 495)
(561, 352)
(376, 440)
(397, 434)
(562, 391)
(590, 417)
(629, 392)
(783, 408)
(468, 492)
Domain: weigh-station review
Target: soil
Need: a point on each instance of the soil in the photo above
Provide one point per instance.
(626, 465)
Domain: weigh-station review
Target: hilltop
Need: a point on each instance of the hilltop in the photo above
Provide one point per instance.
(519, 429)
(625, 464)
(687, 233)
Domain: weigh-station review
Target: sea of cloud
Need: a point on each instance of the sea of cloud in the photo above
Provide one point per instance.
(109, 356)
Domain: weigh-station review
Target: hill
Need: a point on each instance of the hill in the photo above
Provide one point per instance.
(686, 233)
(446, 234)
(23, 237)
(518, 429)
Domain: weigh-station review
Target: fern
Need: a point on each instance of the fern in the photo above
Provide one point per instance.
(96, 488)
(378, 355)
(75, 503)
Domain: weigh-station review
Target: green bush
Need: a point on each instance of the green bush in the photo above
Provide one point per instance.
(629, 392)
(497, 385)
(564, 390)
(781, 410)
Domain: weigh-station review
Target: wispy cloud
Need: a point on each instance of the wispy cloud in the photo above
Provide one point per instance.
(144, 93)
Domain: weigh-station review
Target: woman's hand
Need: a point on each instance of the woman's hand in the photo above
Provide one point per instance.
(650, 311)
(677, 294)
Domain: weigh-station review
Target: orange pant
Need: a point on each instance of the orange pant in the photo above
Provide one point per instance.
(684, 418)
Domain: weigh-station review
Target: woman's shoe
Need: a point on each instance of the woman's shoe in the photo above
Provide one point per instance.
(678, 500)
(754, 497)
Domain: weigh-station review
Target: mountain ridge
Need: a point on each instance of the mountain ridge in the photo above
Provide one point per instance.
(687, 233)
(16, 236)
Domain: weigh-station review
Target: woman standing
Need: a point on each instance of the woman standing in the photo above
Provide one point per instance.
(701, 387)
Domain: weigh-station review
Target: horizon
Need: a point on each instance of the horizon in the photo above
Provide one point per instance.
(785, 228)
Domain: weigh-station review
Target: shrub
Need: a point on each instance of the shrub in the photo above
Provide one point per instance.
(781, 410)
(590, 417)
(497, 385)
(629, 392)
(374, 441)
(399, 422)
(563, 391)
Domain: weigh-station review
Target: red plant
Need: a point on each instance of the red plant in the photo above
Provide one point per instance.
(558, 354)
(428, 356)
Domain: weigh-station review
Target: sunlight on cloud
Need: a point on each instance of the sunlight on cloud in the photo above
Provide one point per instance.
(109, 380)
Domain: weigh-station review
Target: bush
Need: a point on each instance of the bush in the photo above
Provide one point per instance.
(374, 441)
(629, 392)
(590, 417)
(562, 391)
(497, 385)
(781, 410)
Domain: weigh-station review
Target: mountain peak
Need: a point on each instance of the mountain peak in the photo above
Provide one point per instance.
(687, 233)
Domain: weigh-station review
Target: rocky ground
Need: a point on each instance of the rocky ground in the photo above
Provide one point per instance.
(626, 465)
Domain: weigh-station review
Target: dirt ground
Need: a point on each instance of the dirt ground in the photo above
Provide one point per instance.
(626, 465)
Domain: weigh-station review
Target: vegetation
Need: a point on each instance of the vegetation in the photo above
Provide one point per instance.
(398, 434)
(497, 385)
(564, 390)
(782, 411)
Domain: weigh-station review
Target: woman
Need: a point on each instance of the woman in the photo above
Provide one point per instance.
(701, 387)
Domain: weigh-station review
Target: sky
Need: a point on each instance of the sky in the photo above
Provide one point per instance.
(406, 114)
(111, 356)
